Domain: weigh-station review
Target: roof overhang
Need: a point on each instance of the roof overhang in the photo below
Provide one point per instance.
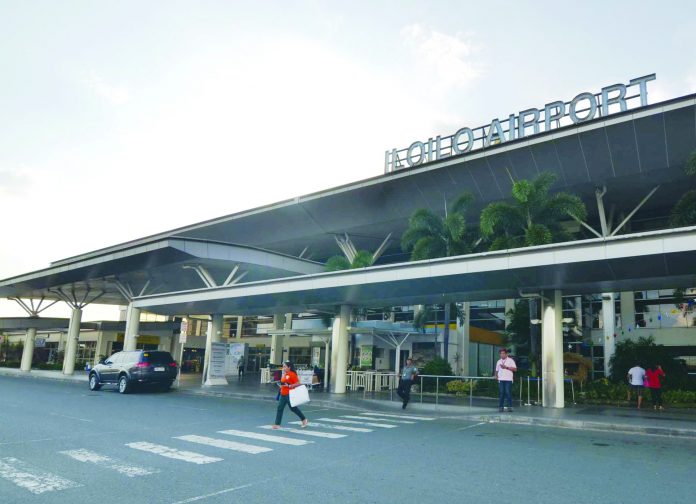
(654, 260)
(157, 264)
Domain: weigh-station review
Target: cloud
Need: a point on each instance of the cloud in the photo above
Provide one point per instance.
(13, 182)
(116, 95)
(451, 57)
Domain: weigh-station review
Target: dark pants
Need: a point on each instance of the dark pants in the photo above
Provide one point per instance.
(504, 391)
(656, 394)
(282, 402)
(404, 390)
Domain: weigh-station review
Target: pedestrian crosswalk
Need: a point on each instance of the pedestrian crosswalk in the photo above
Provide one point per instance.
(37, 480)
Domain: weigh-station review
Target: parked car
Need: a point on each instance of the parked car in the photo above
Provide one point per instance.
(140, 367)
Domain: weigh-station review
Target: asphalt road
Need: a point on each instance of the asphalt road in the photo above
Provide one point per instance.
(60, 443)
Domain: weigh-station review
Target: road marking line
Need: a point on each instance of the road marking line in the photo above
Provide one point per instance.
(165, 451)
(71, 417)
(338, 420)
(266, 437)
(471, 426)
(225, 444)
(214, 494)
(91, 457)
(30, 478)
(336, 427)
(407, 417)
(379, 419)
(307, 432)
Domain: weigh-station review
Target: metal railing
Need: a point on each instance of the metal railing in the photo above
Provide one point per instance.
(467, 379)
(539, 389)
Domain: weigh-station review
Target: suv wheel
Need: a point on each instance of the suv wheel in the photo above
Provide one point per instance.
(94, 384)
(123, 385)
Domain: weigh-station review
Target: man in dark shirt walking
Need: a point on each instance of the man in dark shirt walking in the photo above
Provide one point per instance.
(408, 375)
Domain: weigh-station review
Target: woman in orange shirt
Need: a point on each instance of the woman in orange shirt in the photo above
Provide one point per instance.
(288, 381)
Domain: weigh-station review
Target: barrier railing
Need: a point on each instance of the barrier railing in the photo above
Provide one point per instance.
(537, 383)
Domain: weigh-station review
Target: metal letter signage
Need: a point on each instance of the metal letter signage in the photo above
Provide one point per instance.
(584, 107)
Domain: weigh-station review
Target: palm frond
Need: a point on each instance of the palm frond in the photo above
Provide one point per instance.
(522, 190)
(505, 242)
(462, 203)
(537, 234)
(690, 166)
(565, 205)
(362, 259)
(684, 212)
(455, 226)
(499, 216)
(428, 247)
(337, 263)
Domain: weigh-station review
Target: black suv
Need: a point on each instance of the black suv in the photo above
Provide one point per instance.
(127, 369)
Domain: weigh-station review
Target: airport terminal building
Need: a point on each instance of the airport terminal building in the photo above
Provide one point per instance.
(259, 278)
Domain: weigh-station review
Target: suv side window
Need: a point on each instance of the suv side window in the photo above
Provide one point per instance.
(115, 358)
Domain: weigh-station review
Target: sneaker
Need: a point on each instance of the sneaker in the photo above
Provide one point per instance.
(305, 423)
(403, 404)
(275, 427)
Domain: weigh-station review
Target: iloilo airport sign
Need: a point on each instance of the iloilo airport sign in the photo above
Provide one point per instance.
(584, 107)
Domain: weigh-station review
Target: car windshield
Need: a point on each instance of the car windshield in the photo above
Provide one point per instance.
(156, 358)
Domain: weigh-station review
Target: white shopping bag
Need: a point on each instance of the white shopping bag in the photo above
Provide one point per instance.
(299, 395)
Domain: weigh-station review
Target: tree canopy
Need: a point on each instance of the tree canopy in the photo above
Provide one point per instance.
(533, 217)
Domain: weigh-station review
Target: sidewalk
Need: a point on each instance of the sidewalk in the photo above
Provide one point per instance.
(673, 422)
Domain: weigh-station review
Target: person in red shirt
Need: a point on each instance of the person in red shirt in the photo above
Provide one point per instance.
(288, 380)
(652, 378)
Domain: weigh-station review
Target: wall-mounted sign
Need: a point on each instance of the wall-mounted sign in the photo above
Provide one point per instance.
(584, 107)
(40, 342)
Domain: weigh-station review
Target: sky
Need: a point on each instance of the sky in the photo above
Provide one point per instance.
(123, 119)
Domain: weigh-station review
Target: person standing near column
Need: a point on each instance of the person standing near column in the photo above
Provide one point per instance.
(408, 375)
(636, 379)
(504, 369)
(288, 381)
(653, 375)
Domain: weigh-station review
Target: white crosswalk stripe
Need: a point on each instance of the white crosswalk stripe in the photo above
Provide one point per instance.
(355, 422)
(307, 432)
(31, 478)
(393, 420)
(266, 437)
(99, 460)
(172, 453)
(335, 427)
(225, 444)
(406, 417)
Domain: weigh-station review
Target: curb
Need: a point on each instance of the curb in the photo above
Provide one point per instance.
(587, 425)
(57, 378)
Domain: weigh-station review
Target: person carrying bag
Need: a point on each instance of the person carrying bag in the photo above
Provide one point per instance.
(290, 382)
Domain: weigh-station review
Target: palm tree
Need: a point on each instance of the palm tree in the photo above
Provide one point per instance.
(362, 259)
(533, 217)
(684, 212)
(430, 236)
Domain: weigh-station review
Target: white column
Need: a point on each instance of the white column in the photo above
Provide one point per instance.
(339, 350)
(628, 311)
(73, 336)
(288, 321)
(28, 352)
(463, 339)
(277, 340)
(212, 335)
(240, 325)
(552, 350)
(608, 321)
(132, 328)
(101, 347)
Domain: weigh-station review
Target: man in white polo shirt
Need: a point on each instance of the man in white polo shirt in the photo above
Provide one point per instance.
(504, 369)
(636, 376)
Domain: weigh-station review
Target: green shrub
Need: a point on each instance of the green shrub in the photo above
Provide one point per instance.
(645, 352)
(10, 364)
(461, 387)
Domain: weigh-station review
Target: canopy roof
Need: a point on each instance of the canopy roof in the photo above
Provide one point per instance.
(659, 259)
(629, 153)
